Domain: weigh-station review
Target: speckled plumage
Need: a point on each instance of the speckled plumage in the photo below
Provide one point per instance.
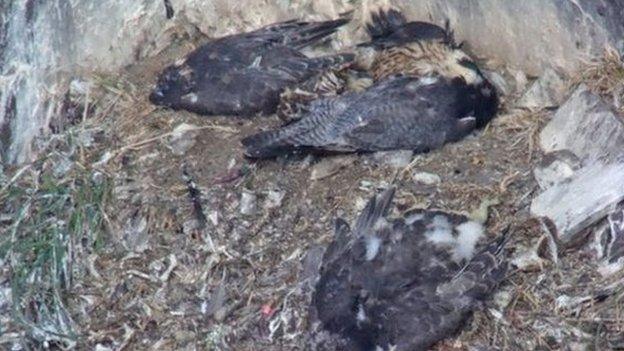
(244, 74)
(399, 112)
(396, 47)
(295, 102)
(412, 291)
(415, 49)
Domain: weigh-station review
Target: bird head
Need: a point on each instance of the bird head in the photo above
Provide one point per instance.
(173, 83)
(478, 93)
(458, 64)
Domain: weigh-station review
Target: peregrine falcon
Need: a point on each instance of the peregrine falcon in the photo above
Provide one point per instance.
(426, 92)
(389, 31)
(244, 74)
(415, 48)
(399, 112)
(389, 28)
(404, 283)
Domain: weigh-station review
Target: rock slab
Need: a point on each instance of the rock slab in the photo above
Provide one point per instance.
(531, 35)
(589, 196)
(587, 126)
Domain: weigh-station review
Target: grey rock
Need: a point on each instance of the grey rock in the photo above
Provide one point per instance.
(274, 198)
(426, 178)
(589, 195)
(545, 92)
(248, 203)
(329, 166)
(182, 138)
(530, 35)
(609, 243)
(555, 168)
(587, 126)
(135, 233)
(502, 85)
(395, 159)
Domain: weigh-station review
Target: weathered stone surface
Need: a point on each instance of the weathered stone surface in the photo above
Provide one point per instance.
(395, 159)
(587, 197)
(248, 203)
(329, 166)
(587, 126)
(546, 92)
(182, 138)
(426, 178)
(556, 167)
(609, 243)
(531, 35)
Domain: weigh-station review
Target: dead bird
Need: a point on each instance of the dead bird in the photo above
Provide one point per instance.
(244, 74)
(404, 283)
(399, 112)
(396, 46)
(294, 102)
(415, 48)
(389, 28)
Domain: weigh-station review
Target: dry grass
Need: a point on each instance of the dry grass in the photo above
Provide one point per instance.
(605, 77)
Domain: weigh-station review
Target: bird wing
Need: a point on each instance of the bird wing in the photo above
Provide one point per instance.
(244, 73)
(479, 276)
(336, 295)
(297, 34)
(418, 318)
(390, 28)
(402, 113)
(396, 113)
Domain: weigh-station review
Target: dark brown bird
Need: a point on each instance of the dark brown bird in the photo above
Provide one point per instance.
(427, 92)
(387, 52)
(416, 48)
(404, 283)
(244, 74)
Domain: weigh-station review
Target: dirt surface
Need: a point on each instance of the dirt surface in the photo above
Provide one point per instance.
(167, 277)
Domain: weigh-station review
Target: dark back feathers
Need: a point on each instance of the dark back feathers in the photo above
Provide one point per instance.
(413, 290)
(399, 112)
(391, 28)
(244, 74)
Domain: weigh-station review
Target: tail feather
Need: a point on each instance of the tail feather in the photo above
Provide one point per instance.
(376, 208)
(329, 61)
(266, 144)
(485, 271)
(384, 23)
(390, 28)
(309, 33)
